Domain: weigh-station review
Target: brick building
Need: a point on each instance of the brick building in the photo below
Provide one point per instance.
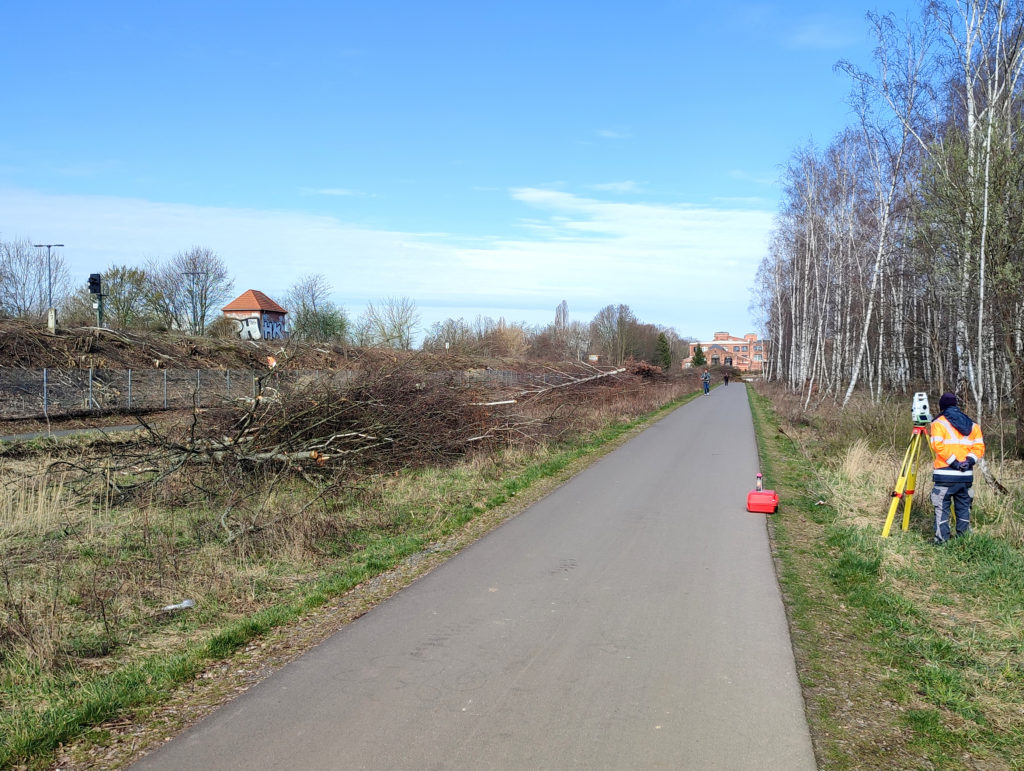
(747, 353)
(258, 317)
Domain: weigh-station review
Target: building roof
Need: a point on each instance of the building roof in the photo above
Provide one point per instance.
(725, 336)
(253, 300)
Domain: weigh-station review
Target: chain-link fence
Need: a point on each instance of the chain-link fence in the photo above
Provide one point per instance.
(27, 393)
(30, 393)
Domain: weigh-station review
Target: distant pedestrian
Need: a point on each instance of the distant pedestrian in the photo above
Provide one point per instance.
(706, 379)
(957, 443)
(725, 377)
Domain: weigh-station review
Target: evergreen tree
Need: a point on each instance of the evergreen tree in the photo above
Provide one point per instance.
(663, 354)
(699, 359)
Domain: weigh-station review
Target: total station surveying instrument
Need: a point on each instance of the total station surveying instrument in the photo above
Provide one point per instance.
(921, 416)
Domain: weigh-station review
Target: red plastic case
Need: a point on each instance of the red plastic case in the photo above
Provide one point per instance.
(763, 501)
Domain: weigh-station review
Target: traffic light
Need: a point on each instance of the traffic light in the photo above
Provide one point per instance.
(94, 283)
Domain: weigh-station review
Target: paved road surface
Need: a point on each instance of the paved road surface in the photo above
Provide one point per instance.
(67, 432)
(630, 620)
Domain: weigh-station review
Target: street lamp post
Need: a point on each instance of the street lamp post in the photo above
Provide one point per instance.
(49, 272)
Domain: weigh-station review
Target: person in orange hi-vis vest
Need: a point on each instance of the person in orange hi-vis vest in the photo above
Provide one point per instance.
(957, 444)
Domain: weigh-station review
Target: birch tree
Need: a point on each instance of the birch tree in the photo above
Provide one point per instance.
(887, 140)
(897, 257)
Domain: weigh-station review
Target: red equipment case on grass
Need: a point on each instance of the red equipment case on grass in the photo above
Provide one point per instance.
(762, 501)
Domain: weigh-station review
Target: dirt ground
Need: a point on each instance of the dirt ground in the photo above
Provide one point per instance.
(27, 345)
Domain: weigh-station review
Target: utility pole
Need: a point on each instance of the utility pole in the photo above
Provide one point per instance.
(51, 314)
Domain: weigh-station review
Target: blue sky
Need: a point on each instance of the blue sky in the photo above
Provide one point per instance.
(478, 157)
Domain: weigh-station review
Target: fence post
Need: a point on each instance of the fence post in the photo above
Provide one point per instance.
(45, 395)
(91, 400)
(229, 384)
(199, 397)
(165, 389)
(129, 389)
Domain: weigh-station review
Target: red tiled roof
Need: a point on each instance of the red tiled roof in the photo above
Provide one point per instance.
(253, 300)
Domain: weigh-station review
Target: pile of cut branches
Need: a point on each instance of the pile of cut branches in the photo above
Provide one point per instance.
(386, 415)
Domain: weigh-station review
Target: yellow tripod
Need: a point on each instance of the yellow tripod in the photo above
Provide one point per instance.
(908, 478)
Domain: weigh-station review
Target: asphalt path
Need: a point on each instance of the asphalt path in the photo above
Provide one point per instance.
(630, 620)
(67, 432)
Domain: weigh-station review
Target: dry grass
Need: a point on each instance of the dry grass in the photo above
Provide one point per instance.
(1003, 514)
(861, 448)
(34, 504)
(83, 579)
(855, 483)
(909, 654)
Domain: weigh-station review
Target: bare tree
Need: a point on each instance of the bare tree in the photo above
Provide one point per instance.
(897, 253)
(577, 339)
(312, 314)
(26, 281)
(613, 331)
(552, 341)
(392, 323)
(985, 47)
(562, 316)
(504, 338)
(451, 335)
(186, 291)
(165, 296)
(901, 59)
(208, 284)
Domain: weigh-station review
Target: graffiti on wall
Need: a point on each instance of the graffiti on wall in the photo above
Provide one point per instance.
(253, 329)
(273, 330)
(248, 329)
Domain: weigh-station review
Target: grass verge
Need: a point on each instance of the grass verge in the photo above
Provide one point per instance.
(425, 509)
(910, 656)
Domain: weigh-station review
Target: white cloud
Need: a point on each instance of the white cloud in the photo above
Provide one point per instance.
(626, 186)
(684, 266)
(264, 249)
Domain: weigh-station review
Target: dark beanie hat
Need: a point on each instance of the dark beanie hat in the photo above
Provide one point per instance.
(947, 400)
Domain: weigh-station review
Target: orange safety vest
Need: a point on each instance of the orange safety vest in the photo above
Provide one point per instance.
(950, 445)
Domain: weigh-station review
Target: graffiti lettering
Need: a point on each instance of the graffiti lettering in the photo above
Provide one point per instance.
(273, 330)
(248, 329)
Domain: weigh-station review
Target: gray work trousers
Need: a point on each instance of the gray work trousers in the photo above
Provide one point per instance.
(959, 494)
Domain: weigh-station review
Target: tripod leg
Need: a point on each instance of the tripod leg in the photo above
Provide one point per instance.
(915, 456)
(897, 495)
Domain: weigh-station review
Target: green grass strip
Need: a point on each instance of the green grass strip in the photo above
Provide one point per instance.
(939, 666)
